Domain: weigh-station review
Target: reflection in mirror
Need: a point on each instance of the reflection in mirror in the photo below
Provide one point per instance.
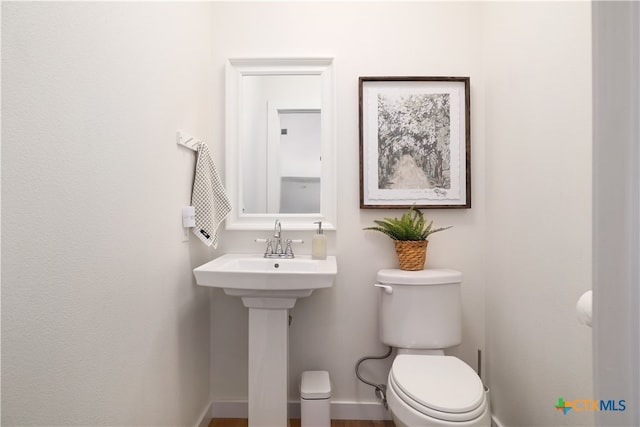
(280, 142)
(266, 101)
(298, 163)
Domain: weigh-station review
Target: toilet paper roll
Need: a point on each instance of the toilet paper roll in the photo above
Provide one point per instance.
(584, 308)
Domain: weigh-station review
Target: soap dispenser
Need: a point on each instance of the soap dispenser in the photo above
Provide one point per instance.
(319, 244)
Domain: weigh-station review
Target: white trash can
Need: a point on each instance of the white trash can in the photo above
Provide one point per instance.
(315, 399)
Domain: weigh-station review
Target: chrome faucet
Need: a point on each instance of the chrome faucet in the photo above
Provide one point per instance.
(274, 245)
(277, 231)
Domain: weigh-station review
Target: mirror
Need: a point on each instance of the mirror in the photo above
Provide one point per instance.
(280, 138)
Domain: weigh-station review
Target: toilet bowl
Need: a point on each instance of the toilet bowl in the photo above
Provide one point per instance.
(420, 315)
(432, 390)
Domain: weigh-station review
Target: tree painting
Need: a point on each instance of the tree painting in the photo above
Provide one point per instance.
(414, 141)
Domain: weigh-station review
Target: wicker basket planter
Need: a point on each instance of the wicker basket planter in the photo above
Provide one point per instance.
(409, 233)
(411, 254)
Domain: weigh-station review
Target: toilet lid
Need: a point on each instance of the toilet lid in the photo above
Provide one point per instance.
(441, 383)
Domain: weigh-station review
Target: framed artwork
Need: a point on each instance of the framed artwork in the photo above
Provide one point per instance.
(415, 139)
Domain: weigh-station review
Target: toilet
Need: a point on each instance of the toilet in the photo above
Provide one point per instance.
(420, 315)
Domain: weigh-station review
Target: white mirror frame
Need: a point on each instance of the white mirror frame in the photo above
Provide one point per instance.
(235, 69)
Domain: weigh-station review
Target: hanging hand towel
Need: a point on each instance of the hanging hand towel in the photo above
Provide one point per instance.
(208, 198)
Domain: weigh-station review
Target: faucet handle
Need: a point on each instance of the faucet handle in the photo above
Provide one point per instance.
(288, 251)
(269, 249)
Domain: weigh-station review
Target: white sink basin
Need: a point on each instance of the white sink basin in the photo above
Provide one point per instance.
(267, 282)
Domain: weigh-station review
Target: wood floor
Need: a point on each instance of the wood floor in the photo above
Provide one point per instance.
(238, 422)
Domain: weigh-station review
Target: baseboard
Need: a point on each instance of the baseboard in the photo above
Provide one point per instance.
(495, 422)
(205, 416)
(339, 410)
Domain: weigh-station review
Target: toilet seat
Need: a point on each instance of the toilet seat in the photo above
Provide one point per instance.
(441, 387)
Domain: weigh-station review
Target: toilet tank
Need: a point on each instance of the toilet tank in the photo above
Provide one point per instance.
(420, 309)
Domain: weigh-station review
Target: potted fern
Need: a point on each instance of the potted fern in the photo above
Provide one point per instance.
(410, 236)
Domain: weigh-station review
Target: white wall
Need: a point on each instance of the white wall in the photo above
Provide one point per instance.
(538, 251)
(334, 328)
(526, 241)
(102, 323)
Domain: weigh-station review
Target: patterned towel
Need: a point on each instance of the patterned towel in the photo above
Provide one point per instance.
(208, 198)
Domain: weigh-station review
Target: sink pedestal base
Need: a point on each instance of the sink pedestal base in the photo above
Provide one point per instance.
(268, 366)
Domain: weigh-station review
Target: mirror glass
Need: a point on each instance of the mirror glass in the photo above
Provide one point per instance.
(298, 164)
(280, 143)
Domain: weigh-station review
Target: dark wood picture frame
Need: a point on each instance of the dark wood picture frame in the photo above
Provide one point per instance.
(415, 142)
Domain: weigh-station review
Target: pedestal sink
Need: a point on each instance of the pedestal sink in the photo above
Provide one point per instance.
(269, 288)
